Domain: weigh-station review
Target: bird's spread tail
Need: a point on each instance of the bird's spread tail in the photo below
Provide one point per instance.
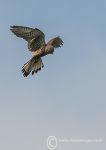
(33, 66)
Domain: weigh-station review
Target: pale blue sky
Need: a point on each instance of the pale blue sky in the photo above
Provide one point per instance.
(68, 97)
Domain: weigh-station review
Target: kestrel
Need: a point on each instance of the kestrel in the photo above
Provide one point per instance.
(37, 45)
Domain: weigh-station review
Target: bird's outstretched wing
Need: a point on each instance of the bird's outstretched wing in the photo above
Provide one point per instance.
(55, 42)
(33, 36)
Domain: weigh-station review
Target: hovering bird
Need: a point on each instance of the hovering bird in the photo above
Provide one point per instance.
(37, 45)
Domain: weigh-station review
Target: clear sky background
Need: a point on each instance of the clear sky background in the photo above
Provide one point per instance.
(67, 98)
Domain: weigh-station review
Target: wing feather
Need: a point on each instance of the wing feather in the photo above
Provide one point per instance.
(33, 36)
(55, 42)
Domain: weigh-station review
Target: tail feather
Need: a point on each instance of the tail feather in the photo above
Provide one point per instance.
(33, 65)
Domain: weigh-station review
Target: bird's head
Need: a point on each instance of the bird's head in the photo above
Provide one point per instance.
(49, 49)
